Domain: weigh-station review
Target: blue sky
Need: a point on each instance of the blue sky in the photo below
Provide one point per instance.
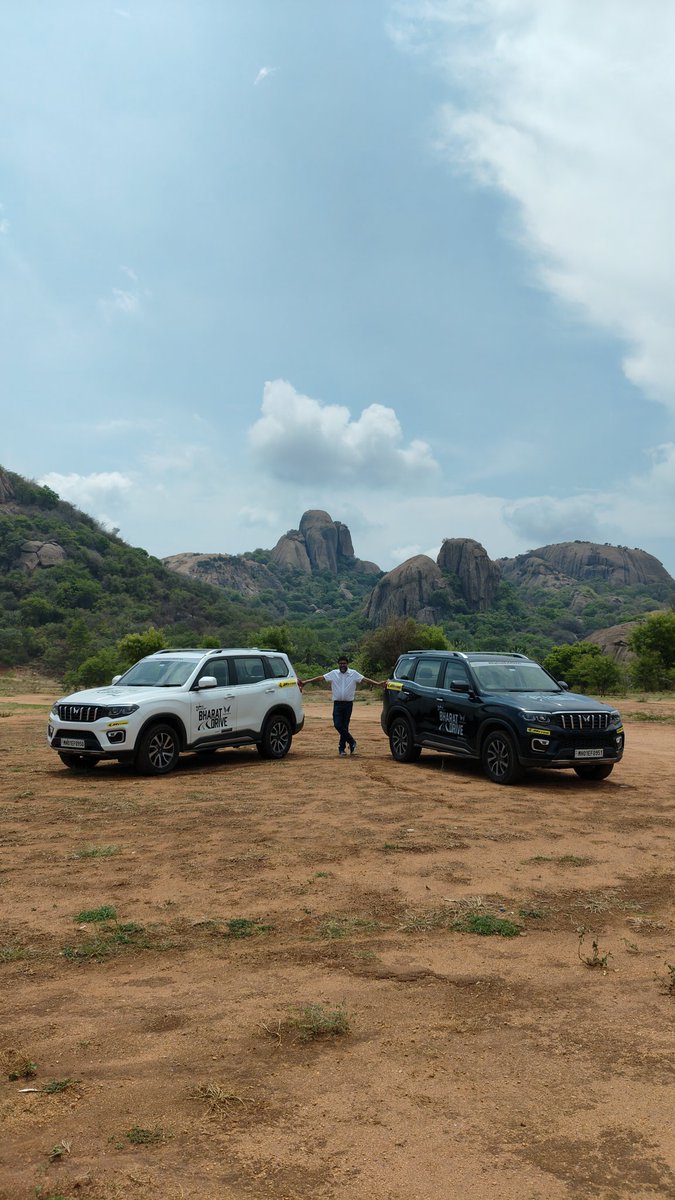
(408, 262)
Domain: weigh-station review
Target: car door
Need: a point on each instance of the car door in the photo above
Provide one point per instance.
(456, 712)
(254, 692)
(423, 697)
(213, 715)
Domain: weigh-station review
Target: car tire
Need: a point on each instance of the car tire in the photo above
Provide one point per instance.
(277, 736)
(499, 759)
(159, 750)
(401, 741)
(594, 771)
(78, 762)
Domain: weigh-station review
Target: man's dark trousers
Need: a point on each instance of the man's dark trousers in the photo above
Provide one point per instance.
(342, 711)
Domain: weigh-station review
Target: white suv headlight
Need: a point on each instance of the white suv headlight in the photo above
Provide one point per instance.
(122, 710)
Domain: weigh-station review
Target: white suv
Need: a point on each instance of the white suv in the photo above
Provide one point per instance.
(181, 700)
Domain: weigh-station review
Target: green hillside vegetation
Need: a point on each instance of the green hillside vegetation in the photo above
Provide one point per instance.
(95, 613)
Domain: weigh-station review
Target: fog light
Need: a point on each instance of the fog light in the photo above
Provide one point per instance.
(116, 736)
(539, 745)
(50, 731)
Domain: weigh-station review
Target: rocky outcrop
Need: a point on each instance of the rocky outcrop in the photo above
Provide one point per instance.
(425, 590)
(320, 544)
(290, 552)
(477, 575)
(235, 572)
(405, 592)
(614, 641)
(567, 563)
(41, 554)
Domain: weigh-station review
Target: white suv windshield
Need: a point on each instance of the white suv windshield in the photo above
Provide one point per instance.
(513, 677)
(168, 672)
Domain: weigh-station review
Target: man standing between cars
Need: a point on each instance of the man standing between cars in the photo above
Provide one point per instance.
(343, 683)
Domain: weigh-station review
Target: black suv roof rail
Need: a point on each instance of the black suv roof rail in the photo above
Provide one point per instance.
(470, 654)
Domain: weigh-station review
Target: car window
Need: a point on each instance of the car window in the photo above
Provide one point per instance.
(455, 672)
(278, 667)
(428, 671)
(404, 667)
(249, 669)
(219, 668)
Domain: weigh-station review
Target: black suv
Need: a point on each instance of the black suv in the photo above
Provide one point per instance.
(503, 709)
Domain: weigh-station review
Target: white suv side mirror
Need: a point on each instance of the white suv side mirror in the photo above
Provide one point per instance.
(207, 681)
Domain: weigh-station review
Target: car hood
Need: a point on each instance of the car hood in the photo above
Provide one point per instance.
(553, 701)
(118, 695)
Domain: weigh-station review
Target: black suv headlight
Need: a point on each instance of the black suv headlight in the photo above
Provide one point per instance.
(122, 710)
(536, 718)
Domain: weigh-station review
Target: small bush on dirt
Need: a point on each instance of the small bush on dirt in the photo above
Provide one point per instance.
(145, 1137)
(90, 916)
(96, 852)
(23, 1070)
(309, 1022)
(595, 958)
(12, 953)
(111, 939)
(487, 925)
(58, 1085)
(242, 927)
(217, 1098)
(315, 1021)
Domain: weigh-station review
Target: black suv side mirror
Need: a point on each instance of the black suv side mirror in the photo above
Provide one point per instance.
(458, 686)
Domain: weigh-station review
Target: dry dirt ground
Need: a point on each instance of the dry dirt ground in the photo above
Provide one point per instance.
(175, 1052)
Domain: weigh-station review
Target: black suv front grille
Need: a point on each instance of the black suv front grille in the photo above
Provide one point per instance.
(80, 713)
(585, 722)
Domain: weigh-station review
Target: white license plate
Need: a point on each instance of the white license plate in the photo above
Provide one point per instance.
(588, 753)
(73, 743)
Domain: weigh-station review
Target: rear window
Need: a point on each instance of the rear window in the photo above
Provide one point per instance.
(404, 666)
(278, 667)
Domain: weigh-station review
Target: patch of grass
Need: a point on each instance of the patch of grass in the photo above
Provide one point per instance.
(322, 875)
(393, 847)
(23, 1070)
(113, 939)
(12, 953)
(595, 958)
(58, 1085)
(562, 860)
(339, 927)
(313, 1021)
(59, 1151)
(242, 927)
(92, 916)
(96, 852)
(487, 925)
(145, 1137)
(534, 913)
(660, 718)
(217, 1098)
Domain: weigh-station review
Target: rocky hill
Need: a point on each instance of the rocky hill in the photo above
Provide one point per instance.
(568, 563)
(463, 576)
(319, 545)
(67, 587)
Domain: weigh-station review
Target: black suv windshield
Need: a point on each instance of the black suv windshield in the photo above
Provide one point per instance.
(170, 672)
(513, 677)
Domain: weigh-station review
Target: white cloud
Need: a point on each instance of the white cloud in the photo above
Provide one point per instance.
(568, 108)
(121, 301)
(88, 491)
(264, 73)
(304, 441)
(544, 519)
